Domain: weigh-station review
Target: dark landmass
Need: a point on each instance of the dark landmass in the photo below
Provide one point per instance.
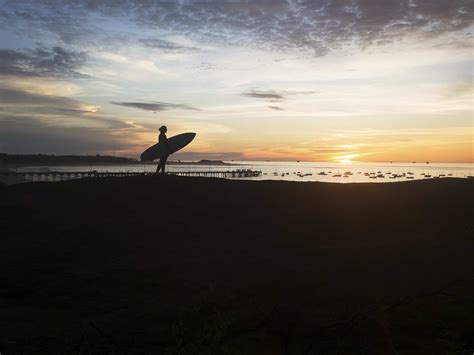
(200, 162)
(42, 159)
(172, 265)
(51, 160)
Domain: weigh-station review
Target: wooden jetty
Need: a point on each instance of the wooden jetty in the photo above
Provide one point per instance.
(69, 175)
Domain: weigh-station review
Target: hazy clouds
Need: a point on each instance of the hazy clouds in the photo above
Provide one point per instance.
(44, 62)
(155, 106)
(274, 95)
(313, 26)
(25, 134)
(260, 94)
(166, 46)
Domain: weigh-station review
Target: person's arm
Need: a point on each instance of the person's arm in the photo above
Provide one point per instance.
(165, 141)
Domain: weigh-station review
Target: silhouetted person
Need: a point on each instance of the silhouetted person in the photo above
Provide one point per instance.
(162, 139)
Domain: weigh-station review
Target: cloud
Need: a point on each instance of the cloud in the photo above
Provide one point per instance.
(276, 108)
(21, 98)
(69, 22)
(155, 106)
(81, 112)
(259, 94)
(273, 95)
(56, 62)
(315, 27)
(166, 46)
(205, 66)
(458, 90)
(26, 134)
(17, 103)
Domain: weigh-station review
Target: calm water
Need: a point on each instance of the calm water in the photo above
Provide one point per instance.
(303, 171)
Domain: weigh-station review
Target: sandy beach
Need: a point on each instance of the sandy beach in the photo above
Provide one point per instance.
(200, 265)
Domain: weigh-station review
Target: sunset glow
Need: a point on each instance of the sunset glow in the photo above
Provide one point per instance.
(260, 80)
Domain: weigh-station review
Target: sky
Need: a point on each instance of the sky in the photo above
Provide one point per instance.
(329, 80)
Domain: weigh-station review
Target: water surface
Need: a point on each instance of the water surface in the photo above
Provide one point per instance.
(299, 171)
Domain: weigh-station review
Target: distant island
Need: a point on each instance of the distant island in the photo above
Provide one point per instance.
(44, 159)
(200, 162)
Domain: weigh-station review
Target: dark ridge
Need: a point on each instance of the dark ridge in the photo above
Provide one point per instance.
(43, 159)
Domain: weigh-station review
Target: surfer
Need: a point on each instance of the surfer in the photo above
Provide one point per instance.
(164, 140)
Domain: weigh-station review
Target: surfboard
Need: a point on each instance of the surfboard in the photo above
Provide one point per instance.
(175, 143)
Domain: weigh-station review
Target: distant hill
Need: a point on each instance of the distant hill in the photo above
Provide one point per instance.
(42, 159)
(200, 162)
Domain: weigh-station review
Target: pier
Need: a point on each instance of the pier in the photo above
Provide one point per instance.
(69, 175)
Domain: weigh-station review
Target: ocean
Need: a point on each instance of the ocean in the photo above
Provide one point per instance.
(298, 171)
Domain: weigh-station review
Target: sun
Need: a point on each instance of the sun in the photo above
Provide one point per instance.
(346, 159)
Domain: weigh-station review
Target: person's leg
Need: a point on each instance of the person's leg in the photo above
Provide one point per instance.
(163, 164)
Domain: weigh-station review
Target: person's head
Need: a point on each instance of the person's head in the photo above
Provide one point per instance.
(163, 129)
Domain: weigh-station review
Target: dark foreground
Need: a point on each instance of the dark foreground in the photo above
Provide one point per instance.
(189, 265)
